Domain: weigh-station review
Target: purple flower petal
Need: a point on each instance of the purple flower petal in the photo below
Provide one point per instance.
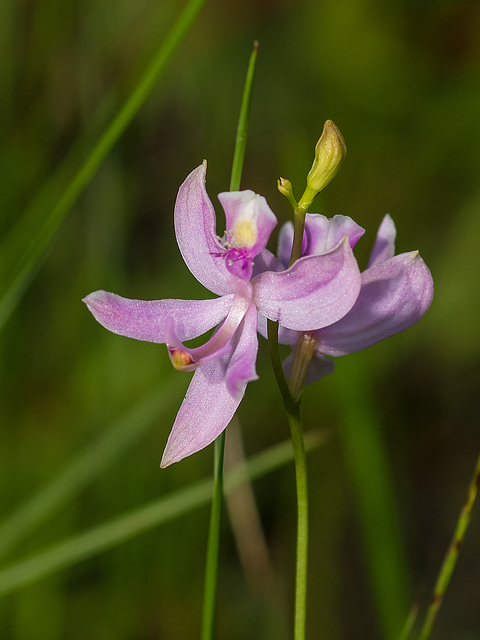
(324, 233)
(241, 368)
(150, 319)
(384, 247)
(266, 261)
(195, 228)
(315, 292)
(206, 410)
(250, 221)
(218, 344)
(321, 234)
(394, 295)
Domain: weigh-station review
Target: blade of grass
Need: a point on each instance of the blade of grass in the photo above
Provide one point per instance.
(26, 254)
(451, 557)
(213, 544)
(366, 456)
(87, 466)
(144, 518)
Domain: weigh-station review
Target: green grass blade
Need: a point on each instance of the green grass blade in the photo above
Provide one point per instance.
(242, 128)
(450, 561)
(87, 466)
(213, 544)
(367, 460)
(16, 274)
(151, 515)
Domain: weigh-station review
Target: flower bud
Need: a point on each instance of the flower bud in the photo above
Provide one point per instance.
(330, 150)
(285, 187)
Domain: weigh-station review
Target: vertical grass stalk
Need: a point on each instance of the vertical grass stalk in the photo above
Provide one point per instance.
(292, 408)
(451, 557)
(211, 568)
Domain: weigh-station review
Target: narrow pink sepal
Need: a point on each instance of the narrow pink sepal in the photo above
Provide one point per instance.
(195, 228)
(384, 247)
(149, 320)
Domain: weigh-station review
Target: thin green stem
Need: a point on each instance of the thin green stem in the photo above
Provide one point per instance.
(213, 544)
(272, 332)
(30, 252)
(211, 571)
(451, 556)
(298, 228)
(292, 408)
(296, 432)
(242, 127)
(409, 623)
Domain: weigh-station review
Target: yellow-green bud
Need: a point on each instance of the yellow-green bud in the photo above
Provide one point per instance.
(330, 151)
(285, 187)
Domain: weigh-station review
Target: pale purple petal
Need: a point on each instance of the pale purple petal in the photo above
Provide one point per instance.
(195, 228)
(149, 319)
(319, 367)
(206, 410)
(384, 247)
(242, 365)
(315, 292)
(394, 295)
(324, 233)
(250, 221)
(266, 261)
(321, 234)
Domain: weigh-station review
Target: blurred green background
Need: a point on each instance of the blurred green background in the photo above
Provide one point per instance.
(401, 79)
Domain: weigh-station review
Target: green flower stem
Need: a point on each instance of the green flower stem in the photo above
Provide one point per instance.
(291, 393)
(292, 408)
(211, 569)
(298, 227)
(450, 559)
(296, 432)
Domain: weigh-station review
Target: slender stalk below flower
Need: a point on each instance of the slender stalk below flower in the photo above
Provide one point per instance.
(291, 399)
(451, 556)
(296, 431)
(292, 408)
(211, 570)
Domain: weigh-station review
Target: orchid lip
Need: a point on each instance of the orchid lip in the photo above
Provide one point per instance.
(185, 359)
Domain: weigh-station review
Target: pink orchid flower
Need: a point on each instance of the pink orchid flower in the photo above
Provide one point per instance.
(317, 291)
(396, 291)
